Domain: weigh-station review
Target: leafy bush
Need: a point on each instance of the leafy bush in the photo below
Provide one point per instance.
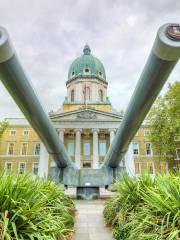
(33, 209)
(3, 126)
(146, 208)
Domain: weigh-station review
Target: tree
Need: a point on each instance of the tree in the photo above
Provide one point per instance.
(3, 126)
(164, 120)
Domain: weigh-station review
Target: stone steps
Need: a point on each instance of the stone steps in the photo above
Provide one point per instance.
(105, 194)
(71, 192)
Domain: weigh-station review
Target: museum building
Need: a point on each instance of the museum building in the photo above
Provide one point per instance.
(86, 123)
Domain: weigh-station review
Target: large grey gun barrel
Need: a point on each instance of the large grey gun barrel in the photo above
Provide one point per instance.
(18, 85)
(164, 56)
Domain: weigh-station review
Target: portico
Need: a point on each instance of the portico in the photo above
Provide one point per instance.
(86, 146)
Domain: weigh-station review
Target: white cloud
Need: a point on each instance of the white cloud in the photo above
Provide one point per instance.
(48, 36)
(131, 20)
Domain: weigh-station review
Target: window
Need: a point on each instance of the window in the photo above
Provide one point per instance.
(24, 148)
(22, 167)
(148, 149)
(102, 149)
(137, 167)
(70, 148)
(25, 133)
(177, 138)
(10, 150)
(12, 133)
(86, 71)
(37, 149)
(86, 164)
(35, 168)
(73, 73)
(8, 166)
(150, 167)
(72, 95)
(101, 95)
(86, 93)
(135, 148)
(100, 73)
(178, 153)
(86, 149)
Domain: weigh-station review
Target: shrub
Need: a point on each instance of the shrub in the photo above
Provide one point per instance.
(33, 209)
(145, 208)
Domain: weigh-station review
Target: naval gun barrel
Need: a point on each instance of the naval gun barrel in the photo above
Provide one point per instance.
(16, 82)
(163, 57)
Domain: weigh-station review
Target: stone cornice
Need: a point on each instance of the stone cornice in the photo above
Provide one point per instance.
(86, 77)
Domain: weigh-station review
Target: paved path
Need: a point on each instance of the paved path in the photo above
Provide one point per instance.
(89, 221)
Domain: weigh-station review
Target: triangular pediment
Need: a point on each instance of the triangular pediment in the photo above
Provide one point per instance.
(85, 115)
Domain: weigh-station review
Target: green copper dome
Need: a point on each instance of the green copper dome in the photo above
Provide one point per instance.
(87, 66)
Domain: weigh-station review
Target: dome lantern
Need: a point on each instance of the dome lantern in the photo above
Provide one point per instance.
(87, 50)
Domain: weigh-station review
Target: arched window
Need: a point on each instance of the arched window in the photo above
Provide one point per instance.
(101, 95)
(72, 95)
(86, 93)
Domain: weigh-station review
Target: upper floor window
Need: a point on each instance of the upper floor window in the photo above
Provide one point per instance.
(72, 95)
(86, 93)
(101, 95)
(135, 148)
(22, 167)
(10, 149)
(12, 133)
(25, 133)
(102, 148)
(24, 148)
(178, 153)
(148, 149)
(37, 149)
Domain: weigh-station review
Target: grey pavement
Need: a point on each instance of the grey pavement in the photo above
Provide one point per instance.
(89, 221)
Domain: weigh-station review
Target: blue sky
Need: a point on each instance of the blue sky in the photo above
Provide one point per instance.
(49, 35)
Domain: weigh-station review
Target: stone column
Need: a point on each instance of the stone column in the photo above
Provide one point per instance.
(112, 134)
(43, 162)
(61, 134)
(95, 149)
(78, 148)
